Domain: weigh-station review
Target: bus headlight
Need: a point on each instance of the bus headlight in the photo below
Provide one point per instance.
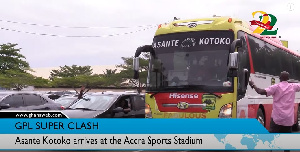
(148, 111)
(226, 111)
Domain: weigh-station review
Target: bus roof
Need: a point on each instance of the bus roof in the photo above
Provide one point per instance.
(217, 23)
(176, 26)
(274, 41)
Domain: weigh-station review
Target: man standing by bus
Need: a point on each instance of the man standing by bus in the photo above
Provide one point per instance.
(282, 117)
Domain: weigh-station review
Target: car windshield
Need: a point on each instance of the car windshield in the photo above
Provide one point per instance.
(195, 61)
(95, 102)
(65, 101)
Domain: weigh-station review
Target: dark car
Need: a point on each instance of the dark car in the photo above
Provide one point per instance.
(108, 105)
(26, 101)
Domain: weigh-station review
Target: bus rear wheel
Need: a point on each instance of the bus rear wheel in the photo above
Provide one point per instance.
(260, 117)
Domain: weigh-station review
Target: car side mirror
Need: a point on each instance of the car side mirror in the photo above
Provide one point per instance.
(118, 109)
(4, 106)
(235, 44)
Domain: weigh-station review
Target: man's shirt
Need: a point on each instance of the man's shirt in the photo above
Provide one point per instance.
(283, 102)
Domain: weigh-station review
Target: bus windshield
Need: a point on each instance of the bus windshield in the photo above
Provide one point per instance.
(193, 61)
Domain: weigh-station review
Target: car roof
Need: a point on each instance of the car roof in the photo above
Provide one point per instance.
(64, 91)
(4, 94)
(20, 92)
(115, 93)
(67, 97)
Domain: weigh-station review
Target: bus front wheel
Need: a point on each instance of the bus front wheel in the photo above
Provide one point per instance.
(260, 117)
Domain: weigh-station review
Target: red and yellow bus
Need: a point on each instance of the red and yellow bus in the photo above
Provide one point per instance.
(200, 68)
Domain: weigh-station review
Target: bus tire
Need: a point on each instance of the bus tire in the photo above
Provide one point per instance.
(261, 117)
(296, 125)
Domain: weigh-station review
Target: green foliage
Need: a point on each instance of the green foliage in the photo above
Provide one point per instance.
(71, 71)
(109, 72)
(65, 77)
(112, 78)
(126, 74)
(14, 67)
(11, 59)
(65, 82)
(82, 80)
(16, 79)
(92, 81)
(41, 82)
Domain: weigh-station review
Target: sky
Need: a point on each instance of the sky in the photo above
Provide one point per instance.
(130, 24)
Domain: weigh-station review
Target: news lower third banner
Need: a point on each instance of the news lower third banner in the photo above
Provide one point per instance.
(140, 134)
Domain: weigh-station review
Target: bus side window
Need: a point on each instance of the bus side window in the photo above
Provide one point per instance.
(287, 63)
(258, 53)
(272, 60)
(296, 68)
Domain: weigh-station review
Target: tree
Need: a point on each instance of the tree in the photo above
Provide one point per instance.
(71, 71)
(109, 72)
(91, 81)
(11, 59)
(126, 73)
(112, 79)
(16, 79)
(41, 82)
(65, 82)
(14, 68)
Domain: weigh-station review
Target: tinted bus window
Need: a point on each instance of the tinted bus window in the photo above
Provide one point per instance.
(273, 60)
(258, 54)
(296, 68)
(287, 62)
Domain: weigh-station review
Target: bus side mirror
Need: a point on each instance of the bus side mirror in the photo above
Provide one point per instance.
(232, 64)
(233, 61)
(235, 44)
(136, 67)
(245, 79)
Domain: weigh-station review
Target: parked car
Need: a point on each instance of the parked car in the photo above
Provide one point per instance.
(66, 101)
(26, 101)
(57, 94)
(108, 105)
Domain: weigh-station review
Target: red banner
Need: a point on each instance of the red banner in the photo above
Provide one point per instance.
(265, 26)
